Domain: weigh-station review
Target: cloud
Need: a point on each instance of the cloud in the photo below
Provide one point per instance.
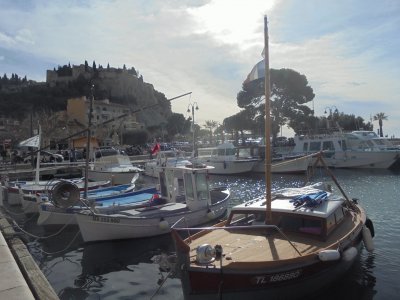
(347, 50)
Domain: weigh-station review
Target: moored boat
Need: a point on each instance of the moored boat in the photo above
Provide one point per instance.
(287, 244)
(308, 243)
(112, 165)
(169, 158)
(31, 201)
(225, 160)
(51, 214)
(189, 200)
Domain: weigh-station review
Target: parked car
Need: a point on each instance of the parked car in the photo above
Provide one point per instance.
(45, 156)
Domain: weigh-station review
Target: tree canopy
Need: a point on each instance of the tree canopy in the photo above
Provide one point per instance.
(289, 94)
(380, 117)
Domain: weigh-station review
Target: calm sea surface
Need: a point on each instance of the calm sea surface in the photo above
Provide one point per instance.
(126, 269)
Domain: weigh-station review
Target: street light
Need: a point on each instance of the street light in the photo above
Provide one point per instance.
(192, 107)
(330, 108)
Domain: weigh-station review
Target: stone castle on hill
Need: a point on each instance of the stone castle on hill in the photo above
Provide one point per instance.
(116, 83)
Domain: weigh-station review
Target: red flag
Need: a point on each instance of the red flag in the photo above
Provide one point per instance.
(155, 149)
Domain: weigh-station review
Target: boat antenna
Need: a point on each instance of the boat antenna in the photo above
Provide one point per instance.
(268, 187)
(89, 137)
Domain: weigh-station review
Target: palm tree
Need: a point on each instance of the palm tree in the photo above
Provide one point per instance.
(210, 124)
(380, 117)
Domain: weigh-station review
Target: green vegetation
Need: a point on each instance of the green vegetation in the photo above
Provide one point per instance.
(290, 96)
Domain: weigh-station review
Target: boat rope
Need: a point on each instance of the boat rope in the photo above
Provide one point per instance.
(161, 284)
(13, 213)
(44, 237)
(64, 249)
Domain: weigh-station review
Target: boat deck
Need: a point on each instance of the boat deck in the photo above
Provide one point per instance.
(239, 245)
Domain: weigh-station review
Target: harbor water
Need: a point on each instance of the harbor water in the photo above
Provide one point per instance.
(129, 269)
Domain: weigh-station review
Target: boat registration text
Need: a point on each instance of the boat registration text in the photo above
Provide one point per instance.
(105, 219)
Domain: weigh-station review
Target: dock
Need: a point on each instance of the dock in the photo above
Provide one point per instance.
(46, 171)
(20, 276)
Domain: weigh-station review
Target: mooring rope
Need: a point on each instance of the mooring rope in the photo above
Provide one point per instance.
(44, 237)
(64, 249)
(13, 213)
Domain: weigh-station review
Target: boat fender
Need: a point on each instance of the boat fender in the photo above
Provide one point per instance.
(370, 226)
(350, 253)
(210, 214)
(367, 239)
(163, 225)
(329, 255)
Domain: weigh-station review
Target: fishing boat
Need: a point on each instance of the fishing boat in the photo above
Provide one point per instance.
(16, 190)
(287, 244)
(190, 198)
(225, 160)
(111, 164)
(169, 158)
(31, 200)
(52, 212)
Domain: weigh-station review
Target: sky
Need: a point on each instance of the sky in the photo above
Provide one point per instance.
(349, 50)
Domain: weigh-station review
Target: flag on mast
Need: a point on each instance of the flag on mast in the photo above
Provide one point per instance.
(257, 72)
(31, 142)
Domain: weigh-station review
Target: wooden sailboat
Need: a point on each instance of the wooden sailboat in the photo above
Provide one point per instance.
(285, 245)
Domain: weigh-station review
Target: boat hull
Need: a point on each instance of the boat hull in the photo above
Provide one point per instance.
(290, 283)
(115, 178)
(299, 165)
(51, 215)
(231, 167)
(146, 222)
(362, 160)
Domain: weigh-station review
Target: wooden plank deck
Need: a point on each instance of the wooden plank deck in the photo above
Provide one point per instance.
(257, 246)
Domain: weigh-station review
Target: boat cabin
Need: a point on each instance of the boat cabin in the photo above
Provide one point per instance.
(186, 184)
(317, 222)
(225, 151)
(313, 144)
(369, 141)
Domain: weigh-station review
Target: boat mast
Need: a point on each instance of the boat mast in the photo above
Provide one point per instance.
(267, 126)
(89, 137)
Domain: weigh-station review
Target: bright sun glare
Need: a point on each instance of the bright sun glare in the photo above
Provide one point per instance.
(231, 21)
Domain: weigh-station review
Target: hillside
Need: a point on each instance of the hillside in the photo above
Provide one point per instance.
(19, 96)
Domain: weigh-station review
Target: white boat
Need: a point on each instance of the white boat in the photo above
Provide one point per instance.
(284, 245)
(50, 214)
(31, 201)
(337, 154)
(225, 160)
(369, 141)
(280, 164)
(189, 199)
(111, 164)
(170, 158)
(17, 189)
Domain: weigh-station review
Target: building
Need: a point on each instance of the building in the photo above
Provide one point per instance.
(104, 111)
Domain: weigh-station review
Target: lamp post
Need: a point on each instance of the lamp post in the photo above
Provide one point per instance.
(330, 108)
(192, 107)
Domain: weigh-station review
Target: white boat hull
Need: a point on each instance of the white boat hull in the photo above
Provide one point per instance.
(47, 217)
(298, 165)
(154, 221)
(115, 178)
(361, 159)
(231, 167)
(30, 203)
